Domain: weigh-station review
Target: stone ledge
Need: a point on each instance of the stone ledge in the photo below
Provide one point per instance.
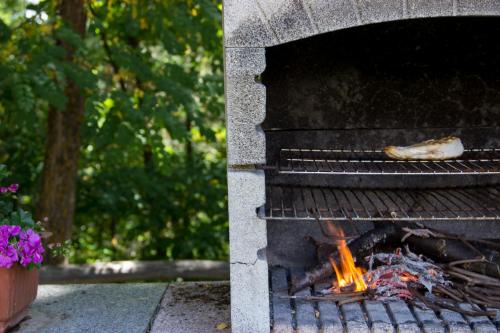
(104, 308)
(194, 307)
(132, 307)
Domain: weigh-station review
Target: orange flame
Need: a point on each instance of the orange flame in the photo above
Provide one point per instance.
(347, 273)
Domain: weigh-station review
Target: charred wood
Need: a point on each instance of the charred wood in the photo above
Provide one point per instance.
(361, 246)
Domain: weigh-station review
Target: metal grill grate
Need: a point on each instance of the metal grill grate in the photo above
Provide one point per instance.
(364, 162)
(295, 315)
(309, 203)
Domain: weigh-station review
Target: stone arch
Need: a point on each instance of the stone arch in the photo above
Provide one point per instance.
(263, 23)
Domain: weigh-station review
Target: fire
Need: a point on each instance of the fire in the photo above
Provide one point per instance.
(347, 273)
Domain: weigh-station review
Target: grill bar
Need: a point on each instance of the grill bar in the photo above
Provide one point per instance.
(309, 203)
(375, 162)
(296, 315)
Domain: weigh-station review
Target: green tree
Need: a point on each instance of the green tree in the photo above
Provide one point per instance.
(151, 175)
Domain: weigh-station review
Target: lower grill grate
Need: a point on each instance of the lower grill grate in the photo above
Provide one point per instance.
(296, 315)
(309, 203)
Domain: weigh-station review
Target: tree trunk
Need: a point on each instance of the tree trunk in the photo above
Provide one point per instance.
(62, 147)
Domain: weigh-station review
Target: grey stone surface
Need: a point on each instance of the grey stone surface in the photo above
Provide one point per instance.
(455, 321)
(330, 15)
(305, 312)
(405, 322)
(248, 241)
(282, 312)
(245, 106)
(378, 316)
(250, 298)
(103, 308)
(354, 318)
(478, 7)
(480, 324)
(245, 25)
(289, 19)
(423, 8)
(262, 23)
(194, 307)
(247, 233)
(371, 11)
(428, 319)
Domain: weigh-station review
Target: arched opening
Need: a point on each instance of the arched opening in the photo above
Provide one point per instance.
(361, 89)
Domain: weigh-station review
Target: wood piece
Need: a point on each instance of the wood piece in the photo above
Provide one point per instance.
(451, 250)
(496, 318)
(129, 271)
(405, 322)
(282, 311)
(304, 310)
(362, 247)
(329, 314)
(354, 318)
(378, 316)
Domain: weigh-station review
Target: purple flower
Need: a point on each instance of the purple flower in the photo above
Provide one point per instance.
(15, 230)
(30, 247)
(8, 256)
(13, 188)
(17, 245)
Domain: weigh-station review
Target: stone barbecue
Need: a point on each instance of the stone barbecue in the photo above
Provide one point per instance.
(315, 89)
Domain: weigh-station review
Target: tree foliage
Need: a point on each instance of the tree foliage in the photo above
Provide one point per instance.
(151, 181)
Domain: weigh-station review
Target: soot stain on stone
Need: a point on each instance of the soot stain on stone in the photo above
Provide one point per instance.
(210, 294)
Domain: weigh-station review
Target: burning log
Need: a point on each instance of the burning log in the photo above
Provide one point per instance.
(362, 246)
(435, 245)
(475, 272)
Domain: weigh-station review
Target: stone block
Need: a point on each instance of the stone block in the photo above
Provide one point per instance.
(262, 23)
(245, 26)
(478, 7)
(429, 8)
(245, 106)
(371, 11)
(330, 15)
(248, 240)
(250, 297)
(288, 19)
(247, 233)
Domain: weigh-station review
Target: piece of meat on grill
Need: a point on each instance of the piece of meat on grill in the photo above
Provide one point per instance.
(441, 149)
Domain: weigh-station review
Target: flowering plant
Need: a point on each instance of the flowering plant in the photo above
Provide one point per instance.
(20, 236)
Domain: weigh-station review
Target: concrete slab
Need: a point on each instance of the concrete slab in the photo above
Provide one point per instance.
(103, 308)
(194, 307)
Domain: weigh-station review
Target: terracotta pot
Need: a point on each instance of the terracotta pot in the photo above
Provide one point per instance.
(18, 289)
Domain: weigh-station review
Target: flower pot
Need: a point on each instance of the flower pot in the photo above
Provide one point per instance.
(18, 289)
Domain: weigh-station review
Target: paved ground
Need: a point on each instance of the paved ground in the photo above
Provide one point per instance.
(194, 307)
(145, 307)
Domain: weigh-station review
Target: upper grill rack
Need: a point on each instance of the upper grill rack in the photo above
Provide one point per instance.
(309, 203)
(374, 162)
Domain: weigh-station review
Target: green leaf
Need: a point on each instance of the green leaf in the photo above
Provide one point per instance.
(5, 32)
(69, 36)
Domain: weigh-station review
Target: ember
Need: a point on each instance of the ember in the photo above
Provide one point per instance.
(399, 272)
(402, 274)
